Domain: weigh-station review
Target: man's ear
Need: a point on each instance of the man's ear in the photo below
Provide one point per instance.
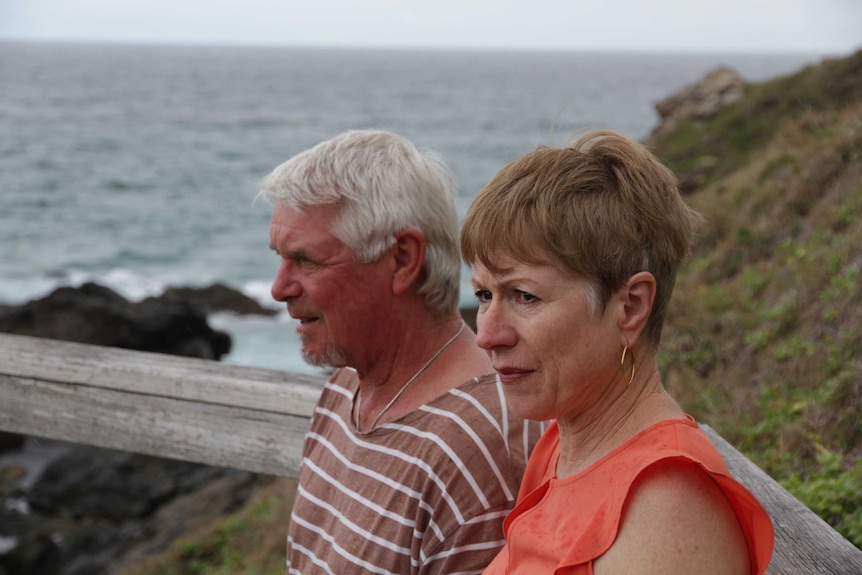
(409, 258)
(637, 297)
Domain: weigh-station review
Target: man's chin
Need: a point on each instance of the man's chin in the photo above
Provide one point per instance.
(331, 357)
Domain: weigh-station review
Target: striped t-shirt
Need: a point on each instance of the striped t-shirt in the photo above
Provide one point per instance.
(424, 494)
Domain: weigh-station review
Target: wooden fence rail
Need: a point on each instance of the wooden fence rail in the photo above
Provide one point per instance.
(255, 419)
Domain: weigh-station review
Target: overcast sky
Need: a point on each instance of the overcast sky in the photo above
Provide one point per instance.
(822, 26)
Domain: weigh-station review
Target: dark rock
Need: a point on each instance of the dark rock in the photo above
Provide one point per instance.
(97, 315)
(10, 479)
(88, 548)
(9, 441)
(34, 550)
(87, 507)
(121, 487)
(93, 509)
(217, 298)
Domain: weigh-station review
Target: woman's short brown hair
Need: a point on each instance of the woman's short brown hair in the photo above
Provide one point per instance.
(604, 208)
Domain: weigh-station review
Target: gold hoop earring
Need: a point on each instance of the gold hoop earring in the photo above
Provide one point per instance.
(622, 366)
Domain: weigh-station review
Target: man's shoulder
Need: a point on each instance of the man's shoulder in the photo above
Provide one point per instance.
(480, 404)
(479, 383)
(344, 376)
(482, 394)
(342, 385)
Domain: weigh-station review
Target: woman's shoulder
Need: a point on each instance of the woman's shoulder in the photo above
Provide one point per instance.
(666, 486)
(677, 520)
(682, 504)
(669, 439)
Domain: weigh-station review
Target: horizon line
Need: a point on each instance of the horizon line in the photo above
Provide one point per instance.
(428, 48)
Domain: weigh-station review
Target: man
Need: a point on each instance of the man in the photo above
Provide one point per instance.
(412, 460)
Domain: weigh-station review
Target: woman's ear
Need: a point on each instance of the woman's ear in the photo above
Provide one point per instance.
(637, 297)
(409, 259)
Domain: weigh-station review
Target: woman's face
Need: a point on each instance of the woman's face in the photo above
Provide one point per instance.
(555, 352)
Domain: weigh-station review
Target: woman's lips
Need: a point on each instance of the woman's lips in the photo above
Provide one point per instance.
(512, 374)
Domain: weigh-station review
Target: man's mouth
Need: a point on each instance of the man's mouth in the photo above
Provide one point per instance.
(303, 319)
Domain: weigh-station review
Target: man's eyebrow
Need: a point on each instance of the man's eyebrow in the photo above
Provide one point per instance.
(297, 254)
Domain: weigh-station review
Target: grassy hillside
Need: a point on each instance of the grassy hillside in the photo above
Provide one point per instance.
(764, 340)
(764, 335)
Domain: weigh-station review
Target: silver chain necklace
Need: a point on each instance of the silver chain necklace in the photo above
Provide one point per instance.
(403, 388)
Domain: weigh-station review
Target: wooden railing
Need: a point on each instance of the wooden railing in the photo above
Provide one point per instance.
(255, 419)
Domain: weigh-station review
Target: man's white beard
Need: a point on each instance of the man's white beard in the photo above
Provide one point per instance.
(332, 356)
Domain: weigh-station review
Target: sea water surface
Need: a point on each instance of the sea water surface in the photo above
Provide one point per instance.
(137, 166)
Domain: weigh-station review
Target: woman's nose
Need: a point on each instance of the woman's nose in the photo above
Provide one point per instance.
(492, 329)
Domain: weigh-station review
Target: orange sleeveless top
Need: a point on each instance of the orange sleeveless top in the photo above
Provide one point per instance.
(562, 526)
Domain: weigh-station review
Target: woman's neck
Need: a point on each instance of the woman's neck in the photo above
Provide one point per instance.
(610, 423)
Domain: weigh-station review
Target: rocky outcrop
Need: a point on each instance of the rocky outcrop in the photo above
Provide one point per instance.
(73, 510)
(698, 101)
(97, 315)
(701, 99)
(92, 508)
(217, 298)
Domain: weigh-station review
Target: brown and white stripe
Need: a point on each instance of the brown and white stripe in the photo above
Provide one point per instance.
(425, 494)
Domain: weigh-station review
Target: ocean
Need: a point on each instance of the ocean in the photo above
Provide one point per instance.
(137, 166)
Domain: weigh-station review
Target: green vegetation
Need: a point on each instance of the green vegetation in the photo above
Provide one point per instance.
(753, 123)
(250, 542)
(764, 335)
(833, 493)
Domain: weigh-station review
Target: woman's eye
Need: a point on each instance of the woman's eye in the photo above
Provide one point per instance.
(525, 297)
(483, 295)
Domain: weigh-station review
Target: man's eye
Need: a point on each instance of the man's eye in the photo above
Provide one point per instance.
(305, 262)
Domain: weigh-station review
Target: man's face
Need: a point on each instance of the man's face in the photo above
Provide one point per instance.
(333, 297)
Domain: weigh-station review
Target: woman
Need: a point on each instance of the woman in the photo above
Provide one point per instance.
(574, 254)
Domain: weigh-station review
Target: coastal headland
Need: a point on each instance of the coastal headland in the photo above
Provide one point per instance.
(762, 343)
